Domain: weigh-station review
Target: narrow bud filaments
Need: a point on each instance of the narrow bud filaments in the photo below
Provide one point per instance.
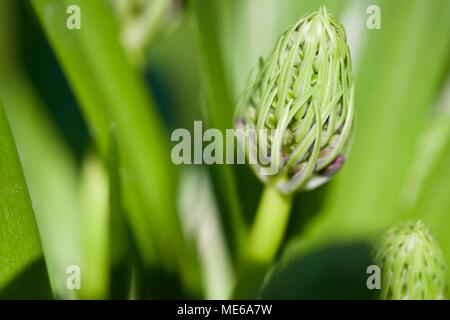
(411, 262)
(302, 95)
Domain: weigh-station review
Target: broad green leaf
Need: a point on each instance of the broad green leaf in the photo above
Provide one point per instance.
(47, 166)
(426, 196)
(434, 204)
(20, 245)
(23, 273)
(431, 148)
(109, 90)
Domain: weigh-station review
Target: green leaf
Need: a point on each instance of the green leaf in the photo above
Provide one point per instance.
(20, 245)
(200, 217)
(56, 208)
(119, 246)
(220, 112)
(23, 273)
(94, 229)
(109, 90)
(426, 193)
(333, 272)
(35, 134)
(434, 205)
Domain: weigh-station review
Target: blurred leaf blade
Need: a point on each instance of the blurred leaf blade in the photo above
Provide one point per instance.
(56, 208)
(433, 206)
(36, 134)
(221, 107)
(200, 216)
(220, 111)
(20, 244)
(94, 232)
(110, 90)
(119, 245)
(426, 193)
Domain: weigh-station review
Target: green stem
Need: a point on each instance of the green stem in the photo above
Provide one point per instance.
(267, 232)
(264, 240)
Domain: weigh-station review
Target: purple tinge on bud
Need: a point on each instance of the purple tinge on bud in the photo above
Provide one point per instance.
(334, 167)
(239, 123)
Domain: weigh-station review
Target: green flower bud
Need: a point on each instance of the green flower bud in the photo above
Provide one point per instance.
(302, 95)
(411, 262)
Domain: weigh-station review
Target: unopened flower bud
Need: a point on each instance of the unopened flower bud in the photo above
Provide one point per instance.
(412, 264)
(303, 91)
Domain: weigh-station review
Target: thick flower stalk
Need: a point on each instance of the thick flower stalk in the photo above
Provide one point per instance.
(297, 112)
(296, 117)
(411, 262)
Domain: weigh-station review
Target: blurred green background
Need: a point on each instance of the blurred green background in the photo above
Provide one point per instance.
(91, 120)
